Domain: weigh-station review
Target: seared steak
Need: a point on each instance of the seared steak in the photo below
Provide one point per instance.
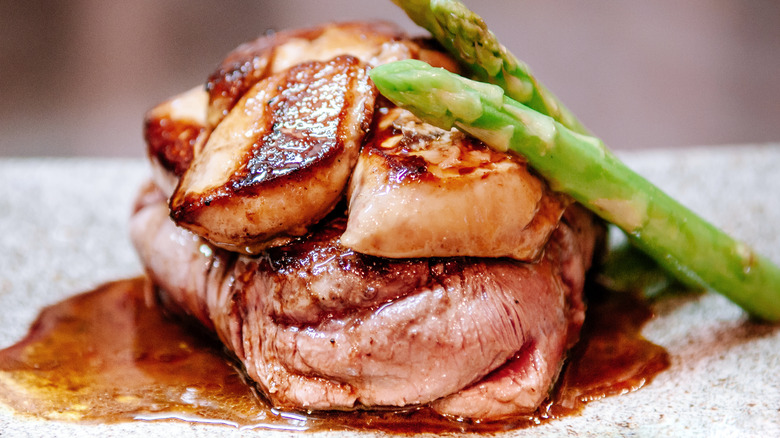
(319, 326)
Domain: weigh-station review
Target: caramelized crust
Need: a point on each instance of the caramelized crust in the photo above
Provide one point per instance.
(280, 160)
(371, 42)
(419, 191)
(175, 131)
(318, 326)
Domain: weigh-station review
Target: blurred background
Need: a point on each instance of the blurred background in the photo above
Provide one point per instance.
(76, 77)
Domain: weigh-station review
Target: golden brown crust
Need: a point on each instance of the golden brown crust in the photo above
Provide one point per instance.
(420, 191)
(252, 61)
(175, 130)
(280, 160)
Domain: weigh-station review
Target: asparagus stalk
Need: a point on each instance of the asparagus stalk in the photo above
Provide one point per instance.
(466, 36)
(579, 165)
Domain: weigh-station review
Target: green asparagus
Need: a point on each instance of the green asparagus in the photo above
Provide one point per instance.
(466, 36)
(579, 165)
(625, 268)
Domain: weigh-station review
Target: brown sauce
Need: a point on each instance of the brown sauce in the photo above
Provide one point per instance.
(111, 355)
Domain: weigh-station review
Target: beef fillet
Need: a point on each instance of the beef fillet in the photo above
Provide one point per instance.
(319, 326)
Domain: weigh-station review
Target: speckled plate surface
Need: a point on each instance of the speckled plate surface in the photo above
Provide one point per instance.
(64, 230)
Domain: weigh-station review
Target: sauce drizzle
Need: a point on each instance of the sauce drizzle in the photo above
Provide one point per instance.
(111, 355)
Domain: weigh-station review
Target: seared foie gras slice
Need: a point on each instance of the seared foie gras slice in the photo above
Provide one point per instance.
(175, 131)
(280, 160)
(373, 43)
(420, 191)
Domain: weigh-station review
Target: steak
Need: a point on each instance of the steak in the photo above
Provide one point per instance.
(319, 326)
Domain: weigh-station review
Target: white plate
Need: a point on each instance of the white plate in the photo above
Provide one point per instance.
(63, 230)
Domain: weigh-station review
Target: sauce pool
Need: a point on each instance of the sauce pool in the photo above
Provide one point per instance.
(112, 355)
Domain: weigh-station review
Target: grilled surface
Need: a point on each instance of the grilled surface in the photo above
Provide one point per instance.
(372, 42)
(175, 131)
(319, 326)
(287, 110)
(280, 160)
(420, 191)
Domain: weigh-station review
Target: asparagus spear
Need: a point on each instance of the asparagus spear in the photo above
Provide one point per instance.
(466, 36)
(579, 165)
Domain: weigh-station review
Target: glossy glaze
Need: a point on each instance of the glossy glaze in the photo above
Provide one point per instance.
(111, 355)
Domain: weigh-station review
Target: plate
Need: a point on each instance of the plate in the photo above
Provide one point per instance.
(64, 231)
